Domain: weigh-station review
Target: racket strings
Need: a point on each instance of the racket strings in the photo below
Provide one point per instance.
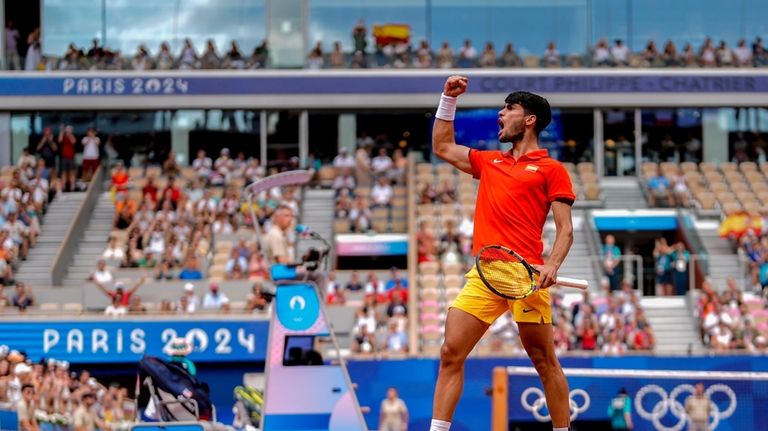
(505, 273)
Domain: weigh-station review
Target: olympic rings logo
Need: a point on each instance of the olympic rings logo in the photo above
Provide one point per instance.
(670, 403)
(537, 407)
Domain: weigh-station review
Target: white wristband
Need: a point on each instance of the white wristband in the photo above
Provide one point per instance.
(447, 108)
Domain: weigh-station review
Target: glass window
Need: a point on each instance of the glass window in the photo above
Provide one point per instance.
(70, 21)
(527, 25)
(688, 21)
(130, 23)
(755, 23)
(609, 20)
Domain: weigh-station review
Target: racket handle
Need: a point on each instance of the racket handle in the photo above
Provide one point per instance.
(572, 282)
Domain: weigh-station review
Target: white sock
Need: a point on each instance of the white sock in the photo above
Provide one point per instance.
(438, 425)
(559, 429)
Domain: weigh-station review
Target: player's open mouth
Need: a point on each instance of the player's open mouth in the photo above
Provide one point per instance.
(501, 126)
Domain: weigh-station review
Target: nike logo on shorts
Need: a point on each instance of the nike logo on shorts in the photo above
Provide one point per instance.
(526, 310)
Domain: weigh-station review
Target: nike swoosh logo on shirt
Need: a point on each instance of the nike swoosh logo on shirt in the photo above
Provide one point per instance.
(498, 160)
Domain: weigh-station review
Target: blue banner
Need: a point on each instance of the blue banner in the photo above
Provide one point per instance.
(261, 83)
(655, 401)
(127, 341)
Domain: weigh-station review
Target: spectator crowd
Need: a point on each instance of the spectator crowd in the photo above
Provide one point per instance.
(370, 190)
(48, 395)
(400, 52)
(733, 319)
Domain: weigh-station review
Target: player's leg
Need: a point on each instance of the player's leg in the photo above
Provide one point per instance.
(538, 341)
(462, 332)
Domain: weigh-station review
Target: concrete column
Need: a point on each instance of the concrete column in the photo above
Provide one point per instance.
(599, 145)
(348, 132)
(5, 139)
(714, 134)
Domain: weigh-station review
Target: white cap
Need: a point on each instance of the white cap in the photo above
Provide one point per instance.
(22, 368)
(760, 340)
(189, 287)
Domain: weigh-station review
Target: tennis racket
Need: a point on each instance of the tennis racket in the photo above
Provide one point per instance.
(508, 275)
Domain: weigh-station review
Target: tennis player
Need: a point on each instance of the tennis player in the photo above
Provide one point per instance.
(517, 190)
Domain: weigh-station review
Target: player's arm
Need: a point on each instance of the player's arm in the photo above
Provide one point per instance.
(563, 242)
(443, 139)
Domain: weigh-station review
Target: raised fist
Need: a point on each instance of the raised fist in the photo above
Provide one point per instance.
(455, 85)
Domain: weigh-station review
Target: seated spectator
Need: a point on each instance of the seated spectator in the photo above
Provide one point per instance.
(447, 192)
(428, 194)
(214, 299)
(189, 302)
(102, 275)
(164, 271)
(365, 341)
(724, 55)
(396, 340)
(237, 265)
(210, 58)
(680, 189)
(488, 57)
(467, 55)
(551, 56)
(336, 58)
(190, 270)
(19, 233)
(659, 188)
(256, 300)
(381, 193)
(382, 163)
(509, 57)
(614, 346)
(334, 290)
(234, 59)
(316, 59)
(113, 251)
(398, 298)
(343, 204)
(375, 288)
(343, 160)
(445, 58)
(202, 164)
(354, 285)
(360, 216)
(136, 306)
(23, 298)
(601, 55)
(345, 180)
(651, 54)
(670, 57)
(620, 53)
(395, 278)
(258, 267)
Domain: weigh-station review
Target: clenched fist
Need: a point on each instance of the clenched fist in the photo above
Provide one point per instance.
(455, 85)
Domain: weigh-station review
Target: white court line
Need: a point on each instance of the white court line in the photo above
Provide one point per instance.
(660, 374)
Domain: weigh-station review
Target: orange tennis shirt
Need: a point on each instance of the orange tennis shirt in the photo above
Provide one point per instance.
(514, 198)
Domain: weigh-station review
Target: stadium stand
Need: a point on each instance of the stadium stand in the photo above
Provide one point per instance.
(400, 55)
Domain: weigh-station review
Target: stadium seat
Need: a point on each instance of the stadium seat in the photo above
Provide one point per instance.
(423, 167)
(430, 293)
(429, 268)
(49, 306)
(341, 225)
(75, 307)
(399, 226)
(453, 269)
(429, 281)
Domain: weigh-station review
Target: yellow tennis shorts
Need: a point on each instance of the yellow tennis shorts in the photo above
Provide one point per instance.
(476, 299)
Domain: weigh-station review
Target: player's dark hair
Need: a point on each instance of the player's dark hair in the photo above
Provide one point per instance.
(532, 104)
